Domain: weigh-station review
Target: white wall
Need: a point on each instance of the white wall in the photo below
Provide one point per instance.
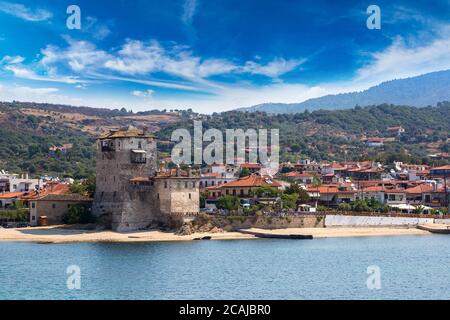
(442, 221)
(341, 220)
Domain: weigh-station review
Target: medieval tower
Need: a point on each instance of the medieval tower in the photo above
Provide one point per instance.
(130, 193)
(121, 156)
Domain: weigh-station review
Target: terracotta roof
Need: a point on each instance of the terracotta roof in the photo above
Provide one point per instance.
(382, 189)
(10, 195)
(446, 167)
(328, 189)
(420, 188)
(295, 174)
(335, 165)
(252, 181)
(65, 197)
(51, 188)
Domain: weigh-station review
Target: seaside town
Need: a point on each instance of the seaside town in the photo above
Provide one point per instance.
(133, 192)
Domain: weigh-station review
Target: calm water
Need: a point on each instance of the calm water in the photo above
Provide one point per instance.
(412, 267)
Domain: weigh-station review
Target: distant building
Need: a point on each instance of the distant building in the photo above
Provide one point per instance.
(243, 187)
(396, 130)
(375, 142)
(252, 167)
(443, 171)
(64, 149)
(304, 178)
(18, 183)
(7, 199)
(54, 207)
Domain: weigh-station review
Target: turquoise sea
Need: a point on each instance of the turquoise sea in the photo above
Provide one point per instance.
(411, 267)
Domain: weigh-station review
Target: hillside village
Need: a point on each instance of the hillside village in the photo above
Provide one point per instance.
(132, 191)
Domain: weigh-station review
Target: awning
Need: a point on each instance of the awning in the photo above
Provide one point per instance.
(138, 151)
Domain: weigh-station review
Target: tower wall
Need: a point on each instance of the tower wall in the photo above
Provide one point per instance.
(117, 161)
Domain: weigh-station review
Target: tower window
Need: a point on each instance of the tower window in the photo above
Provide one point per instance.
(138, 156)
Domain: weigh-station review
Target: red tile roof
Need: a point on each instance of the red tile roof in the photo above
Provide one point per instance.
(10, 195)
(51, 188)
(446, 167)
(295, 174)
(422, 188)
(252, 181)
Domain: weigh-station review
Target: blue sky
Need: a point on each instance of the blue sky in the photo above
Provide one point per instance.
(213, 55)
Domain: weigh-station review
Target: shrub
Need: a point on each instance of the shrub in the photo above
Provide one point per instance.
(289, 201)
(79, 214)
(202, 219)
(228, 202)
(344, 207)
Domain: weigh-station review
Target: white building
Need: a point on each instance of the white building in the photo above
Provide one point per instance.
(16, 183)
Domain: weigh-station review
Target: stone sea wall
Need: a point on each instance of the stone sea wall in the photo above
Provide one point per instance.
(233, 222)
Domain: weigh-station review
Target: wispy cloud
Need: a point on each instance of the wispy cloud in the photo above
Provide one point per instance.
(15, 65)
(138, 61)
(12, 60)
(143, 94)
(189, 8)
(401, 60)
(99, 30)
(23, 12)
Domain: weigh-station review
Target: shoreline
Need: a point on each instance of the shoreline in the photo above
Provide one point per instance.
(58, 234)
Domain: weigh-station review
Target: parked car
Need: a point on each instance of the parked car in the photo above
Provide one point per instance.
(207, 210)
(245, 203)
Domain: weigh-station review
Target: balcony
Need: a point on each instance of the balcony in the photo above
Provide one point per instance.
(138, 156)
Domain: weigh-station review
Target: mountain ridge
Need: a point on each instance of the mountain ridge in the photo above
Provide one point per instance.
(420, 91)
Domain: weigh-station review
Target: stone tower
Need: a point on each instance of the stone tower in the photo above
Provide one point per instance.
(121, 156)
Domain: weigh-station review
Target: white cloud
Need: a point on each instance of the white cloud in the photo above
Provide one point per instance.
(401, 61)
(138, 58)
(98, 30)
(143, 94)
(25, 13)
(273, 69)
(138, 61)
(79, 55)
(12, 60)
(24, 73)
(189, 7)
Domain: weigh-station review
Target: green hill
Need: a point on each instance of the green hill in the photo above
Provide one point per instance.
(28, 130)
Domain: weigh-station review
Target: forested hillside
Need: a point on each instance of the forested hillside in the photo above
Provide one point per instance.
(28, 131)
(341, 134)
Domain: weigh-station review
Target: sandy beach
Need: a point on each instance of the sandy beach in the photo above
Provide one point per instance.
(65, 235)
